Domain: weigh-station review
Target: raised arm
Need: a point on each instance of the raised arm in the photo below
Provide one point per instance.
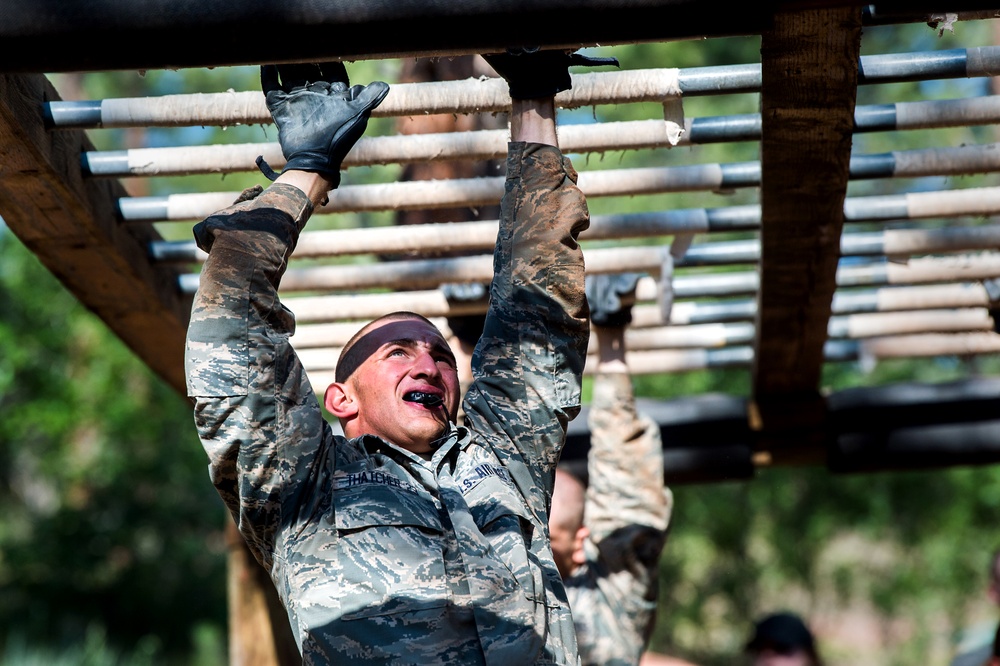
(626, 487)
(626, 507)
(529, 362)
(255, 411)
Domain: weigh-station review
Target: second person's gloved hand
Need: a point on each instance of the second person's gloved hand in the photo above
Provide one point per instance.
(610, 297)
(532, 73)
(318, 114)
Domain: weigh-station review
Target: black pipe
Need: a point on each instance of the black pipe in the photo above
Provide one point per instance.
(907, 426)
(43, 36)
(80, 35)
(915, 426)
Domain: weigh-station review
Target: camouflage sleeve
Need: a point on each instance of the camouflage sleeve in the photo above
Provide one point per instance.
(250, 393)
(627, 507)
(529, 361)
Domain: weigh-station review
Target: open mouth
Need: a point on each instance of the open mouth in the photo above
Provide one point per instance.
(424, 398)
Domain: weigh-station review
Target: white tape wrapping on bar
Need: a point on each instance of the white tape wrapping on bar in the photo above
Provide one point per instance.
(228, 108)
(465, 96)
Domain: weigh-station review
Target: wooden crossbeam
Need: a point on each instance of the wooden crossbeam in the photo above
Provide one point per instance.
(71, 226)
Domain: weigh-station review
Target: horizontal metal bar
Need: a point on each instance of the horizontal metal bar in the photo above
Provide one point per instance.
(225, 109)
(319, 344)
(896, 68)
(425, 273)
(481, 236)
(582, 138)
(311, 310)
(412, 195)
(648, 362)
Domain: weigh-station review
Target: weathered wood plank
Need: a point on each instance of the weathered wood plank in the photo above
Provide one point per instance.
(71, 225)
(809, 84)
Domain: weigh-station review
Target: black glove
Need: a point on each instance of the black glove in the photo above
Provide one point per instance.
(604, 295)
(319, 117)
(992, 286)
(467, 328)
(465, 291)
(532, 73)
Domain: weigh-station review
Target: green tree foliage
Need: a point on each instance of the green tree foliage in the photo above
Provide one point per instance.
(905, 549)
(110, 523)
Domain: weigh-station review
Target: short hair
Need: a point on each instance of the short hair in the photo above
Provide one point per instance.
(351, 358)
(784, 630)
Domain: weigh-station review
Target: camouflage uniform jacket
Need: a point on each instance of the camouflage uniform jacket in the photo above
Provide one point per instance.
(381, 556)
(627, 510)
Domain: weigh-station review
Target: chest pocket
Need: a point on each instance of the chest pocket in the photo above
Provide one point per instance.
(391, 559)
(502, 518)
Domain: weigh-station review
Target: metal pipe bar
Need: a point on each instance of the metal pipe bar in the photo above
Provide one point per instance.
(457, 193)
(481, 236)
(654, 362)
(897, 298)
(377, 150)
(475, 192)
(321, 343)
(977, 202)
(429, 273)
(961, 160)
(896, 243)
(472, 95)
(405, 99)
(912, 346)
(432, 303)
(934, 344)
(641, 362)
(948, 63)
(492, 144)
(880, 324)
(928, 114)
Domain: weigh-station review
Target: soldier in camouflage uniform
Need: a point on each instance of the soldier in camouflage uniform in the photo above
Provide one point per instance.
(607, 536)
(410, 540)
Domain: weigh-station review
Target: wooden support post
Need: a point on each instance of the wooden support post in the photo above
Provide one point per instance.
(809, 86)
(259, 634)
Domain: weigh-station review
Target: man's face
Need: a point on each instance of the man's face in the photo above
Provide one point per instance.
(408, 367)
(566, 521)
(563, 545)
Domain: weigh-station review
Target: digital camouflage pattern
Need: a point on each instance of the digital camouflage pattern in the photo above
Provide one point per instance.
(613, 594)
(380, 556)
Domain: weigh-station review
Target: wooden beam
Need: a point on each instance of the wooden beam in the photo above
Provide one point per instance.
(808, 94)
(72, 226)
(259, 633)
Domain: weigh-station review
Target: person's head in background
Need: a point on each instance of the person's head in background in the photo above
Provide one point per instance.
(782, 639)
(566, 530)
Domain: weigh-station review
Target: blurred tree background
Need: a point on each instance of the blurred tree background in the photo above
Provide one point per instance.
(111, 542)
(111, 534)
